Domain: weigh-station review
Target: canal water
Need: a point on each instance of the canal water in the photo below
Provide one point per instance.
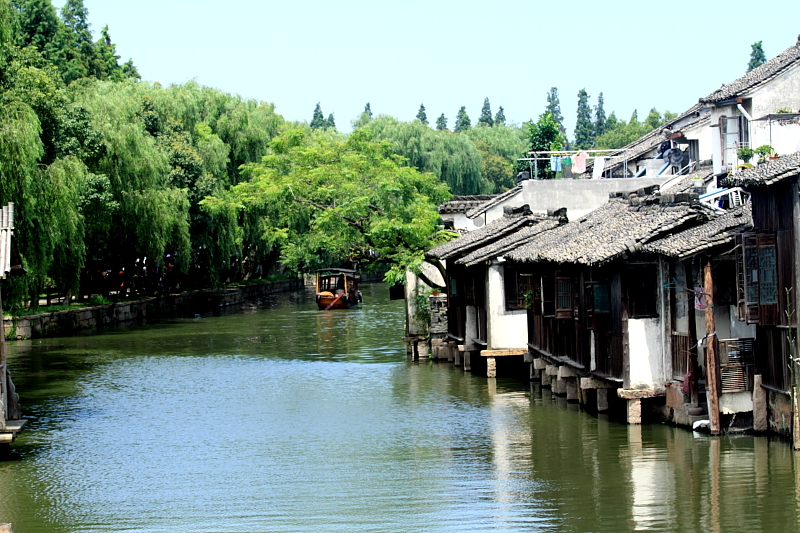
(285, 418)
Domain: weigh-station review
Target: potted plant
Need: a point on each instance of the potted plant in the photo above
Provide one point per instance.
(745, 153)
(766, 152)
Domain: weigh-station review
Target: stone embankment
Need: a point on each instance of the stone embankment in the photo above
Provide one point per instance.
(86, 319)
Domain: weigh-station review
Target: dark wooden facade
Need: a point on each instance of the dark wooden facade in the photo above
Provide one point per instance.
(768, 261)
(574, 311)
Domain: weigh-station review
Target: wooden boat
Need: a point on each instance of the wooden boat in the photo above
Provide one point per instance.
(337, 288)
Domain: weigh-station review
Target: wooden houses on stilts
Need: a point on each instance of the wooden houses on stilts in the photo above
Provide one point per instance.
(667, 297)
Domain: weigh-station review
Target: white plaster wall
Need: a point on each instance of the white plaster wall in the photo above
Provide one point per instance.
(702, 134)
(736, 402)
(783, 91)
(646, 362)
(739, 329)
(507, 329)
(722, 321)
(784, 138)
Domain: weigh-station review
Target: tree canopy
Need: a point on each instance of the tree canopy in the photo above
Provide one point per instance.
(325, 203)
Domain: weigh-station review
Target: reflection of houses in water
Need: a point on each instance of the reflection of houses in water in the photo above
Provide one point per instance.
(658, 297)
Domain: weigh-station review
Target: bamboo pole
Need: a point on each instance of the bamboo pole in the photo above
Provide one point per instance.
(712, 361)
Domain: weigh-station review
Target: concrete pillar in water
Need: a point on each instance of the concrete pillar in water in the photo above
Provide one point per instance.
(602, 400)
(634, 411)
(491, 367)
(760, 421)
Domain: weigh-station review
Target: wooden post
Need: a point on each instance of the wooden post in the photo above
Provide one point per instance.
(694, 366)
(3, 380)
(712, 361)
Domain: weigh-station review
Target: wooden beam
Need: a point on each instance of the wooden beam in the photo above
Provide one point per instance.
(712, 361)
(503, 353)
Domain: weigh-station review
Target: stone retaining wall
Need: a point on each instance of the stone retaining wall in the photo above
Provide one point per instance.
(73, 321)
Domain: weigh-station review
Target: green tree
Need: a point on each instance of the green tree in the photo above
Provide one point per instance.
(486, 114)
(500, 148)
(620, 133)
(500, 117)
(544, 136)
(441, 123)
(80, 53)
(40, 27)
(421, 115)
(599, 117)
(454, 159)
(653, 119)
(757, 56)
(318, 120)
(106, 65)
(584, 130)
(324, 203)
(462, 121)
(330, 123)
(554, 107)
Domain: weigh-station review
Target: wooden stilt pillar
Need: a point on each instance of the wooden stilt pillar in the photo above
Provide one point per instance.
(712, 360)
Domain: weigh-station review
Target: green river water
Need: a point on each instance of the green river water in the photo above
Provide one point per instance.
(283, 418)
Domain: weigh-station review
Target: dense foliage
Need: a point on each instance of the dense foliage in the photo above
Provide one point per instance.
(320, 201)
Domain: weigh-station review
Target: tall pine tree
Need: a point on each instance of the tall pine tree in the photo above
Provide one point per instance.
(757, 56)
(500, 117)
(486, 114)
(462, 120)
(584, 130)
(330, 124)
(441, 122)
(318, 120)
(80, 54)
(599, 117)
(554, 107)
(421, 115)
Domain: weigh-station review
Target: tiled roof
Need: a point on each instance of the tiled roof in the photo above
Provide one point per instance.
(474, 239)
(766, 174)
(756, 77)
(496, 200)
(720, 229)
(686, 182)
(510, 242)
(622, 226)
(652, 139)
(462, 204)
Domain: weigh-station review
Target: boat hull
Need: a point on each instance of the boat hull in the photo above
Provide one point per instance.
(326, 300)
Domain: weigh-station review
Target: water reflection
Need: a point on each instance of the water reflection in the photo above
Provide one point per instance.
(288, 419)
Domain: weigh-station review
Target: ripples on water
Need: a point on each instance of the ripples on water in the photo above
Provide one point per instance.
(289, 419)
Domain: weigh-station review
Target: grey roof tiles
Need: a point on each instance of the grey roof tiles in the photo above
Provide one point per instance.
(766, 174)
(756, 77)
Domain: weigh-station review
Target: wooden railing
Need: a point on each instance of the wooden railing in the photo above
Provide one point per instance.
(680, 355)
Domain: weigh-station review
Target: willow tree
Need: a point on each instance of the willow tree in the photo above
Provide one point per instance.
(324, 203)
(500, 147)
(153, 214)
(453, 158)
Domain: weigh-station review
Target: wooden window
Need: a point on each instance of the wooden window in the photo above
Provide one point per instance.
(517, 285)
(564, 308)
(757, 277)
(641, 282)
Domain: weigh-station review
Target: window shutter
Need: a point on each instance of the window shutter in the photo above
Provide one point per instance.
(750, 249)
(563, 296)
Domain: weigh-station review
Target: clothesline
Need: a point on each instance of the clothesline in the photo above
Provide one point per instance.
(577, 159)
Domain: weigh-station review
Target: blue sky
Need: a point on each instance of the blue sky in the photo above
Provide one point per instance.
(446, 54)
